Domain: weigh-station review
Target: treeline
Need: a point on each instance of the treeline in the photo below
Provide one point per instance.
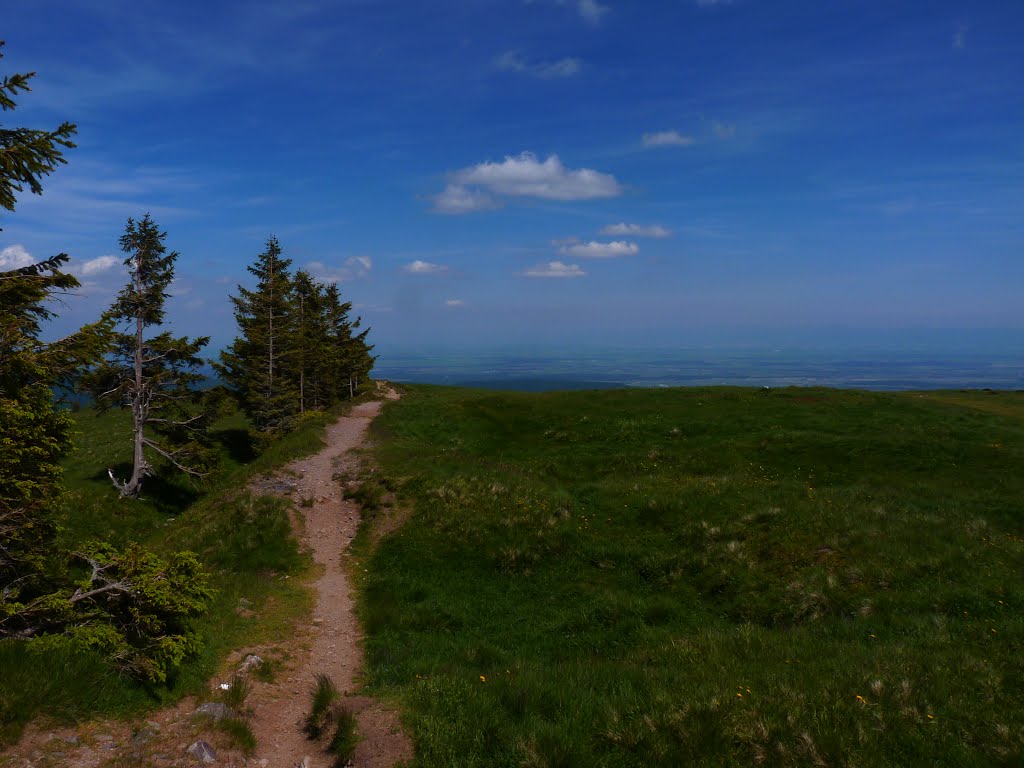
(298, 349)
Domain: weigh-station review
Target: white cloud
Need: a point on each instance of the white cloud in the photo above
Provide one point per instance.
(512, 61)
(419, 267)
(636, 230)
(523, 175)
(100, 264)
(353, 268)
(362, 264)
(554, 269)
(15, 257)
(667, 139)
(723, 130)
(458, 199)
(595, 250)
(455, 303)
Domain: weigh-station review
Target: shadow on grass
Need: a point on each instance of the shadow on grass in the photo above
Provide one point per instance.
(168, 496)
(237, 444)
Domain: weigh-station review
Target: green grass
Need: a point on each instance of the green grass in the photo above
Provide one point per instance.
(345, 738)
(244, 541)
(712, 576)
(324, 695)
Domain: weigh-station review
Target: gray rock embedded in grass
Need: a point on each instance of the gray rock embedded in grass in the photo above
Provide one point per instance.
(202, 752)
(214, 710)
(252, 661)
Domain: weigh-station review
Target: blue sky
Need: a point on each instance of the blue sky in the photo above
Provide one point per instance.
(546, 171)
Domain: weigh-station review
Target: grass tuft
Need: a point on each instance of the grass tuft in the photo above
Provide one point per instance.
(325, 694)
(345, 738)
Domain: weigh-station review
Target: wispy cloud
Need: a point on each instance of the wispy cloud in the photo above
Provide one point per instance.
(723, 130)
(667, 139)
(419, 267)
(591, 11)
(960, 37)
(99, 265)
(353, 268)
(554, 269)
(454, 303)
(636, 230)
(596, 250)
(513, 61)
(457, 199)
(481, 186)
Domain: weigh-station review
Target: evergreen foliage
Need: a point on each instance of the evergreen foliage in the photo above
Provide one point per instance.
(253, 365)
(310, 331)
(157, 378)
(27, 154)
(297, 350)
(36, 433)
(132, 604)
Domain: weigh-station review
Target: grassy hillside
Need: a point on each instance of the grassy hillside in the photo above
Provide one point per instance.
(243, 540)
(708, 576)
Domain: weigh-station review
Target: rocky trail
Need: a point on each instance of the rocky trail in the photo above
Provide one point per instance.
(186, 735)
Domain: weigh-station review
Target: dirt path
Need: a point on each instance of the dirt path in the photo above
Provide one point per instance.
(330, 644)
(335, 649)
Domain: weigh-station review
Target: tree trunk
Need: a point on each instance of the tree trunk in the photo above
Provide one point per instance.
(139, 409)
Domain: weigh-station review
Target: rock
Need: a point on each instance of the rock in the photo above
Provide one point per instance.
(251, 662)
(303, 763)
(104, 737)
(261, 762)
(143, 736)
(244, 602)
(214, 710)
(202, 752)
(73, 740)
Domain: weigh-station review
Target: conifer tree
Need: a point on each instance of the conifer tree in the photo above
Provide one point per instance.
(349, 360)
(310, 333)
(36, 434)
(157, 378)
(131, 604)
(255, 367)
(27, 154)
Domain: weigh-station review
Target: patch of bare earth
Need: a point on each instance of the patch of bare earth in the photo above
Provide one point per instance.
(331, 644)
(335, 641)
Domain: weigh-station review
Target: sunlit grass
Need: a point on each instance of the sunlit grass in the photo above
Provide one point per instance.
(702, 576)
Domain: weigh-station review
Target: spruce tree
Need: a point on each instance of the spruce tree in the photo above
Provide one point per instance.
(157, 378)
(348, 356)
(308, 338)
(36, 433)
(27, 154)
(132, 604)
(256, 366)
